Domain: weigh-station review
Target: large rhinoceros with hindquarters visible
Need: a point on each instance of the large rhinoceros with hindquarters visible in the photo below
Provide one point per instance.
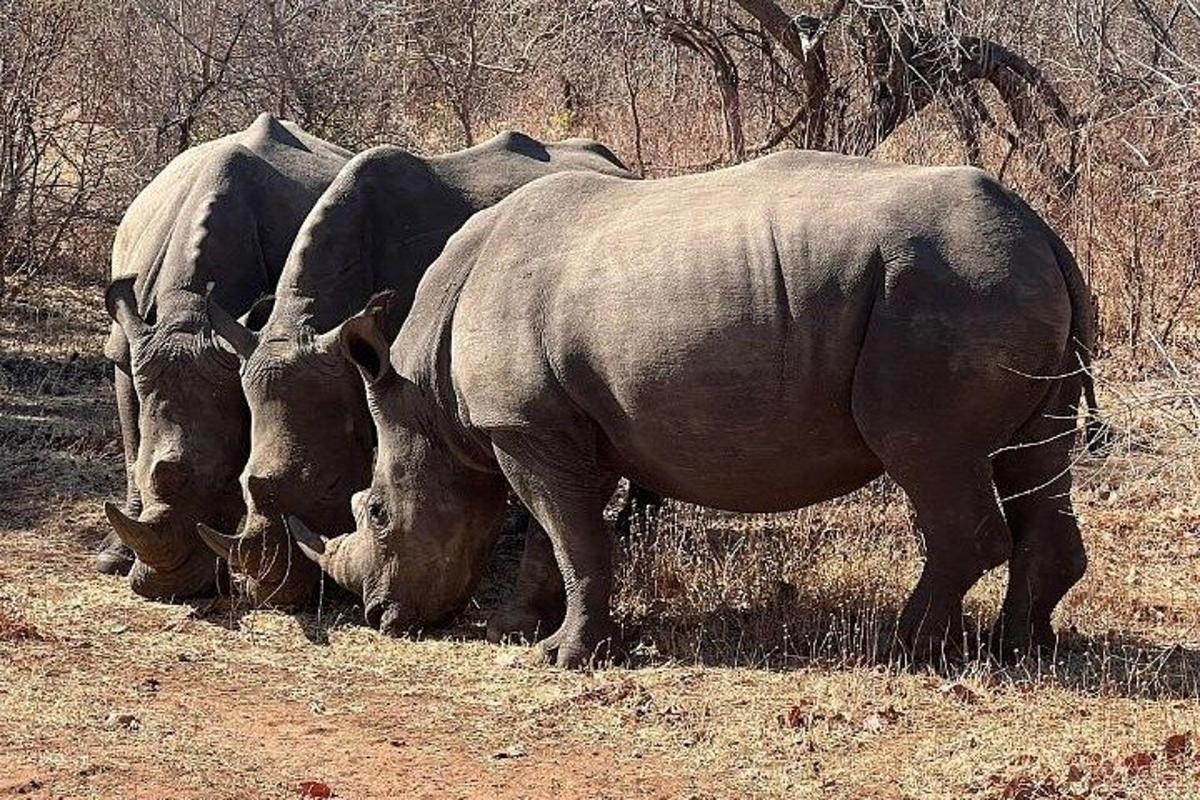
(220, 217)
(756, 339)
(379, 226)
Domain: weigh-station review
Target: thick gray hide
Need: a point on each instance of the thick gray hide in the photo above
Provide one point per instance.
(378, 227)
(756, 339)
(222, 214)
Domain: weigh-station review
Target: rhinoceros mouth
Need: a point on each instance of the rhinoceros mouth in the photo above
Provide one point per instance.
(267, 569)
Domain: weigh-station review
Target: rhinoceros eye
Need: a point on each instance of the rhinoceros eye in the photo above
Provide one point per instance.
(377, 512)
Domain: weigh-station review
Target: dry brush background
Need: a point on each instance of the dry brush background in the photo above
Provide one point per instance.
(758, 668)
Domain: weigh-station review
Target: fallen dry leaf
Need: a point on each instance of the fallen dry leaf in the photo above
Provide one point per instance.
(797, 717)
(1179, 746)
(509, 658)
(14, 627)
(314, 789)
(1138, 762)
(1025, 787)
(959, 692)
(118, 719)
(512, 751)
(874, 723)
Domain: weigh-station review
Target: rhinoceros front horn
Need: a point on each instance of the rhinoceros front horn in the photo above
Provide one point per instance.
(243, 554)
(331, 555)
(148, 544)
(219, 543)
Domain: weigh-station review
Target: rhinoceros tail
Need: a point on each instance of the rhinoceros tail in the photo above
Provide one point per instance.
(1083, 340)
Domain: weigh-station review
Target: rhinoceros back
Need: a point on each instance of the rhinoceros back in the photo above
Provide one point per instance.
(223, 212)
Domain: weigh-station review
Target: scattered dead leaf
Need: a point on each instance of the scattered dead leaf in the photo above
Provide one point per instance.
(15, 628)
(28, 787)
(122, 720)
(877, 722)
(314, 789)
(509, 658)
(960, 692)
(1179, 746)
(1139, 762)
(512, 751)
(1025, 787)
(797, 717)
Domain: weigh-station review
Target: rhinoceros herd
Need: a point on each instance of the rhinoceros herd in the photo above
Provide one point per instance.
(308, 342)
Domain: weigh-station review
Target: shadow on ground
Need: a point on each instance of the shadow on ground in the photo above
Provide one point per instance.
(855, 632)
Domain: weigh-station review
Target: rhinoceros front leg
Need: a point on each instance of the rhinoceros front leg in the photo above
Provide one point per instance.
(114, 558)
(565, 489)
(536, 605)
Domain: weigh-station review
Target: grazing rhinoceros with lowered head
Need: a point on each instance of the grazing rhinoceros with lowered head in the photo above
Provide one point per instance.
(379, 226)
(755, 339)
(221, 216)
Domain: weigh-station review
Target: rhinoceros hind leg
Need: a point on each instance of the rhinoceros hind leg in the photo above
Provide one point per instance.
(536, 606)
(561, 484)
(965, 536)
(1034, 483)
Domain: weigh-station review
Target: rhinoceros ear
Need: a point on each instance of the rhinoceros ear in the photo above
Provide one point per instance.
(364, 343)
(259, 313)
(121, 303)
(390, 309)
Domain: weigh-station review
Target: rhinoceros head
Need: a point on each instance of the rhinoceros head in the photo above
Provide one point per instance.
(426, 525)
(192, 426)
(311, 440)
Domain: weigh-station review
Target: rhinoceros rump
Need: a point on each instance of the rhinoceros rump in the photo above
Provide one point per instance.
(215, 224)
(379, 225)
(755, 339)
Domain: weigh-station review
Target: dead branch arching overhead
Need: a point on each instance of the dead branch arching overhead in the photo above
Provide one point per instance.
(691, 31)
(911, 59)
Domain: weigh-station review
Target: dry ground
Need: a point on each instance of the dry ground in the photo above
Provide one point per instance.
(756, 670)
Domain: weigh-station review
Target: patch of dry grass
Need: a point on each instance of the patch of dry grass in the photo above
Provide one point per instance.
(759, 666)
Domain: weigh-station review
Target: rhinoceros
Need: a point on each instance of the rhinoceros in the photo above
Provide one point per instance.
(219, 219)
(379, 225)
(756, 339)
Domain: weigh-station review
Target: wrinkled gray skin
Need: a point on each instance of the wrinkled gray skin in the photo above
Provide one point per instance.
(223, 214)
(755, 339)
(378, 226)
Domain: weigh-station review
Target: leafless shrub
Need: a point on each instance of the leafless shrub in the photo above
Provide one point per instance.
(1090, 110)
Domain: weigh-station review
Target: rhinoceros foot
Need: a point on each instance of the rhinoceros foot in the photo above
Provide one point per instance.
(583, 645)
(113, 557)
(519, 622)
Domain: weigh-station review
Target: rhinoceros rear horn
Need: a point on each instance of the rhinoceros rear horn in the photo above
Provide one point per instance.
(121, 303)
(150, 545)
(240, 339)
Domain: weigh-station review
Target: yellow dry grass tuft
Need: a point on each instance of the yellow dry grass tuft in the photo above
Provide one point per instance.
(760, 664)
